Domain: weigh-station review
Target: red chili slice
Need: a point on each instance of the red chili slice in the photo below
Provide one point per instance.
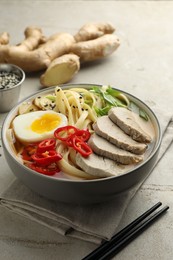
(28, 151)
(63, 133)
(69, 141)
(46, 145)
(44, 170)
(74, 137)
(84, 135)
(46, 158)
(82, 147)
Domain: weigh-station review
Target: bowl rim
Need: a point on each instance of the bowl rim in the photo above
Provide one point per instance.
(153, 152)
(17, 68)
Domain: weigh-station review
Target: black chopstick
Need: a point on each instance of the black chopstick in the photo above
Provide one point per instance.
(122, 238)
(121, 233)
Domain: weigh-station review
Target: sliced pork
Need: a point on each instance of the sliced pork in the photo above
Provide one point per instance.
(106, 149)
(127, 121)
(100, 166)
(105, 128)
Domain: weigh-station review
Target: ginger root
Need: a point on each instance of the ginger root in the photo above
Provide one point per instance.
(61, 70)
(92, 31)
(34, 55)
(97, 48)
(61, 54)
(41, 57)
(4, 38)
(33, 37)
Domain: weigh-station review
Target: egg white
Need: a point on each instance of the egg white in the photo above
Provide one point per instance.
(22, 126)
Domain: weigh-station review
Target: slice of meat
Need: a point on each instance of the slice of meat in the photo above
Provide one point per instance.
(105, 128)
(104, 148)
(100, 166)
(127, 121)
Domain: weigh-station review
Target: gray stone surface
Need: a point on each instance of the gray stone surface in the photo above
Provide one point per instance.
(142, 66)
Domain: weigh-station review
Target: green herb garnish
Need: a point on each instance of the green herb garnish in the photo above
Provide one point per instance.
(103, 111)
(133, 107)
(108, 97)
(143, 114)
(114, 98)
(51, 98)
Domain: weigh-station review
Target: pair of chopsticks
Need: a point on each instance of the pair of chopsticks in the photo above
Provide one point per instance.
(110, 248)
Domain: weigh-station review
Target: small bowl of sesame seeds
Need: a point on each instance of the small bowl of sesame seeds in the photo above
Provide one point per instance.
(11, 79)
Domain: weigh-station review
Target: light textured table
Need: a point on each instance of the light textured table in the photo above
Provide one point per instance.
(143, 66)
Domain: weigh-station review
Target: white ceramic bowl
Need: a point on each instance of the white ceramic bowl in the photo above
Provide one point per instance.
(80, 191)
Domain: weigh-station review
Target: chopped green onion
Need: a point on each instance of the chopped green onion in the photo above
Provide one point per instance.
(133, 107)
(102, 111)
(143, 114)
(51, 98)
(113, 100)
(89, 102)
(113, 97)
(113, 92)
(108, 98)
(96, 89)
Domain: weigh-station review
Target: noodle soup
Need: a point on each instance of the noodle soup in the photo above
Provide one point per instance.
(37, 119)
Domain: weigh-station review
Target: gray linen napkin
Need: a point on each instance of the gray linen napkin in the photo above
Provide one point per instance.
(92, 223)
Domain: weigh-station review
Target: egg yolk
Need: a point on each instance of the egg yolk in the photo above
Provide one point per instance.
(46, 123)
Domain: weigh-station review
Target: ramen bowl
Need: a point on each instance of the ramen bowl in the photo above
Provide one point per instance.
(75, 190)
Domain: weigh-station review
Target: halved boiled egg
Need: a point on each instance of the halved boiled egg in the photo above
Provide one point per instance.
(37, 126)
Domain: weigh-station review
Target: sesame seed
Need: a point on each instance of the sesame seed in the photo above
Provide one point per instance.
(9, 79)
